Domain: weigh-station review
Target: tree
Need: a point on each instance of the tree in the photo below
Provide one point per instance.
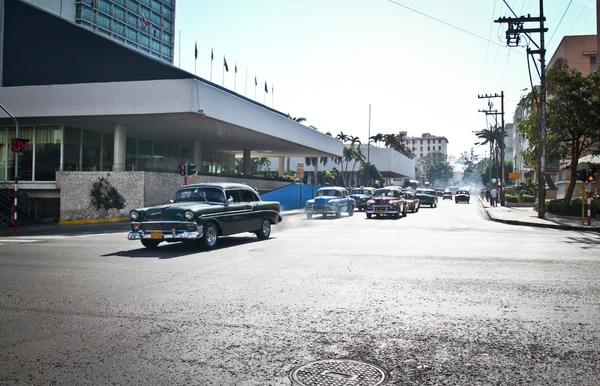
(377, 138)
(374, 174)
(440, 173)
(473, 166)
(495, 171)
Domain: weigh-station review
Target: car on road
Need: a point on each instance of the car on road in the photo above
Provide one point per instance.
(447, 195)
(204, 212)
(462, 196)
(330, 200)
(361, 196)
(439, 192)
(388, 201)
(427, 197)
(412, 201)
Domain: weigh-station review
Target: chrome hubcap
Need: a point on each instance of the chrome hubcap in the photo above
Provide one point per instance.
(266, 228)
(211, 235)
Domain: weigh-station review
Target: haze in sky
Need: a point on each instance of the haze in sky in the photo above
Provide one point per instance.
(327, 60)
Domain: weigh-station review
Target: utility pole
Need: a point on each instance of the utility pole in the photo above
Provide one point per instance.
(515, 28)
(501, 113)
(369, 148)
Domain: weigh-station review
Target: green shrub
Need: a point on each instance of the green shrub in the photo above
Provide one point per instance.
(510, 198)
(527, 198)
(560, 208)
(104, 195)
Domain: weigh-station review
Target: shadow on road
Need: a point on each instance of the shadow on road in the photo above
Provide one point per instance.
(585, 242)
(179, 249)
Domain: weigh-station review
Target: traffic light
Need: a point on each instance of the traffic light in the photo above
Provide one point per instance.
(592, 175)
(182, 169)
(582, 175)
(191, 169)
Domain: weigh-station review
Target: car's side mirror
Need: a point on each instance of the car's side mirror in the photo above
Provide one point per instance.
(171, 201)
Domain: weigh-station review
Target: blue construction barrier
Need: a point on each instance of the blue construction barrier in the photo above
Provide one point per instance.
(289, 196)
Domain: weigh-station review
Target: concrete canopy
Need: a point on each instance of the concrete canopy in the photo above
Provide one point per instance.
(175, 111)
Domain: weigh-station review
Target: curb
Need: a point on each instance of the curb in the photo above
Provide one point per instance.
(95, 221)
(536, 225)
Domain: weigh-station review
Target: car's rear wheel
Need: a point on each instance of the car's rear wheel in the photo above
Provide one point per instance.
(368, 215)
(265, 229)
(338, 212)
(150, 244)
(211, 236)
(404, 211)
(351, 210)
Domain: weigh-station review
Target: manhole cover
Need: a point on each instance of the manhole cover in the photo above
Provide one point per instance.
(338, 372)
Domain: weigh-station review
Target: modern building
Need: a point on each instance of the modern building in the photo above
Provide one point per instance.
(146, 25)
(427, 144)
(520, 143)
(91, 107)
(580, 52)
(509, 131)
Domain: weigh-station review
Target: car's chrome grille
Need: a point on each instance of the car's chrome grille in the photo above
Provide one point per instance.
(317, 207)
(164, 226)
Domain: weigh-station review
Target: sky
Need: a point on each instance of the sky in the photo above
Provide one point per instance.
(329, 60)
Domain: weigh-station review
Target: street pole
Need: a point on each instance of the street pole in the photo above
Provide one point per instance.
(502, 182)
(369, 147)
(542, 183)
(16, 192)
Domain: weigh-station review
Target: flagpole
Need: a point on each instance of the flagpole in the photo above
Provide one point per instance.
(211, 63)
(255, 85)
(179, 48)
(246, 83)
(235, 78)
(195, 55)
(272, 95)
(223, 84)
(265, 95)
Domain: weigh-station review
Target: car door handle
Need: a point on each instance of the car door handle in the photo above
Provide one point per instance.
(247, 206)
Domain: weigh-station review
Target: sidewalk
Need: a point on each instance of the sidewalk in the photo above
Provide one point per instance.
(55, 228)
(529, 217)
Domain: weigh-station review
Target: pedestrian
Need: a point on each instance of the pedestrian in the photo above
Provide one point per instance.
(487, 195)
(494, 196)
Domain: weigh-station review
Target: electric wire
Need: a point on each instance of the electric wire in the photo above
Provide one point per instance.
(526, 34)
(531, 80)
(487, 50)
(445, 23)
(585, 6)
(560, 21)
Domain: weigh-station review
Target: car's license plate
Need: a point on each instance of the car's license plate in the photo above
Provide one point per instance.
(156, 235)
(319, 210)
(380, 212)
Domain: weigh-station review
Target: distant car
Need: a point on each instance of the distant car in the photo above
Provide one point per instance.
(204, 212)
(330, 200)
(388, 201)
(361, 196)
(462, 196)
(447, 195)
(439, 192)
(412, 201)
(427, 197)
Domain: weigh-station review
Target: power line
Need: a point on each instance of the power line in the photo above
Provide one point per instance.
(487, 50)
(585, 6)
(560, 21)
(445, 23)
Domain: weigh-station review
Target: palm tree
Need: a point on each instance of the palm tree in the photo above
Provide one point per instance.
(342, 137)
(377, 138)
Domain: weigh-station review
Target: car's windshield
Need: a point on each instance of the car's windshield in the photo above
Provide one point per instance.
(387, 193)
(201, 195)
(423, 191)
(328, 192)
(462, 192)
(361, 191)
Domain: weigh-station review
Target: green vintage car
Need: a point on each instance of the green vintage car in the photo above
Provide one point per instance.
(427, 197)
(204, 212)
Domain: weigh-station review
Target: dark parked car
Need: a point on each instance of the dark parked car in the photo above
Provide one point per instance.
(361, 196)
(204, 212)
(462, 196)
(427, 197)
(447, 195)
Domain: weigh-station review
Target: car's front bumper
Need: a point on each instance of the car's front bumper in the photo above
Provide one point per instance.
(375, 209)
(321, 209)
(178, 231)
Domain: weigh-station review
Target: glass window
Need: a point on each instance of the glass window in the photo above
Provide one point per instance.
(167, 12)
(132, 20)
(72, 144)
(47, 152)
(144, 158)
(439, 148)
(145, 2)
(166, 50)
(108, 152)
(156, 6)
(593, 66)
(25, 157)
(132, 35)
(92, 143)
(185, 153)
(155, 19)
(119, 28)
(428, 148)
(131, 157)
(120, 2)
(104, 7)
(155, 45)
(248, 196)
(132, 6)
(104, 22)
(159, 152)
(119, 13)
(144, 40)
(3, 153)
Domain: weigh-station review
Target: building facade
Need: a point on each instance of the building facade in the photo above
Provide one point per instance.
(580, 52)
(145, 25)
(426, 144)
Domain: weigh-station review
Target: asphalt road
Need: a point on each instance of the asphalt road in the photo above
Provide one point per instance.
(441, 297)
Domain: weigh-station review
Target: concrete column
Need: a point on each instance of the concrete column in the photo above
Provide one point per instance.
(280, 166)
(198, 155)
(247, 161)
(120, 145)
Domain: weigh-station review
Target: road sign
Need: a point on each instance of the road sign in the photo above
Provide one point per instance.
(514, 176)
(300, 170)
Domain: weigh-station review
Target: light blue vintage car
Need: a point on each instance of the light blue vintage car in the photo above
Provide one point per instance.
(330, 200)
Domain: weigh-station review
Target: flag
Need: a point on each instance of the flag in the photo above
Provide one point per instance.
(92, 3)
(163, 28)
(144, 21)
(266, 88)
(255, 81)
(195, 50)
(236, 68)
(211, 55)
(225, 64)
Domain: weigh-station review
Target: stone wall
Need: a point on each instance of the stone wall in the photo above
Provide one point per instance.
(140, 189)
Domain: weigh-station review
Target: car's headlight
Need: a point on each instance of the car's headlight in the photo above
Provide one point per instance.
(188, 215)
(135, 215)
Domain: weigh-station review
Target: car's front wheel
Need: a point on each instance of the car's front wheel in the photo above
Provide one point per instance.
(351, 210)
(368, 215)
(338, 212)
(211, 236)
(309, 216)
(150, 244)
(265, 229)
